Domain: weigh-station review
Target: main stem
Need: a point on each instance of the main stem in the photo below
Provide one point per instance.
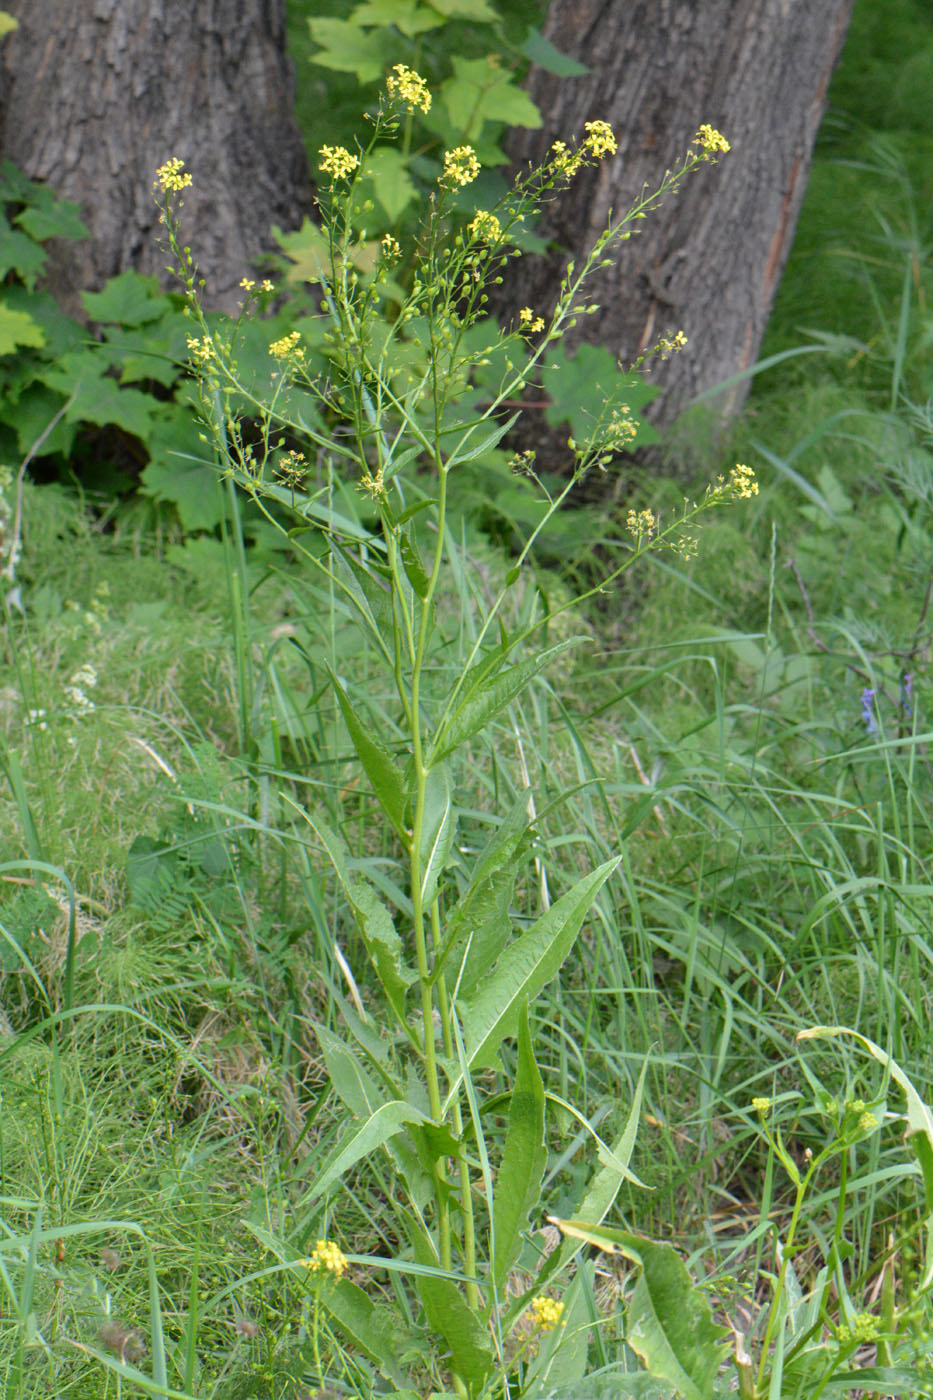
(417, 874)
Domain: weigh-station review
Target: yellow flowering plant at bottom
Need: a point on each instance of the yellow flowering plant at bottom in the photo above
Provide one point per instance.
(451, 940)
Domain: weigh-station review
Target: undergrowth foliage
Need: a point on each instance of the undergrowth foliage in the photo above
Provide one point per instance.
(454, 972)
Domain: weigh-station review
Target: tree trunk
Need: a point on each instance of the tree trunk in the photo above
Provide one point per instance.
(709, 260)
(97, 94)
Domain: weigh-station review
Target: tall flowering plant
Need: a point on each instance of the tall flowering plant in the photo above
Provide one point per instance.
(456, 974)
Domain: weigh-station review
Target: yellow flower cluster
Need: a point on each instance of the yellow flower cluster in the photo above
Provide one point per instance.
(563, 160)
(461, 166)
(529, 321)
(391, 248)
(200, 351)
(710, 141)
(288, 345)
(742, 483)
(621, 428)
(172, 176)
(408, 87)
(337, 161)
(248, 284)
(642, 522)
(327, 1258)
(485, 226)
(600, 139)
(546, 1313)
(291, 467)
(761, 1104)
(668, 345)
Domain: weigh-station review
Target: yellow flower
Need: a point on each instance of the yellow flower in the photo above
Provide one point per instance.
(337, 161)
(546, 1313)
(281, 349)
(563, 161)
(761, 1105)
(408, 87)
(668, 345)
(201, 351)
(642, 522)
(461, 166)
(600, 139)
(742, 482)
(390, 247)
(172, 176)
(710, 140)
(246, 284)
(266, 286)
(485, 226)
(327, 1258)
(529, 321)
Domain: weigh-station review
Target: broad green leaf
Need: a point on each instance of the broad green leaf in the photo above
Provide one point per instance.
(408, 16)
(386, 171)
(482, 699)
(481, 91)
(379, 1330)
(347, 48)
(479, 11)
(440, 822)
(451, 1318)
(97, 397)
(359, 1141)
(18, 328)
(544, 55)
(518, 1183)
(580, 386)
(47, 216)
(128, 300)
(492, 1012)
(669, 1323)
(20, 254)
(380, 767)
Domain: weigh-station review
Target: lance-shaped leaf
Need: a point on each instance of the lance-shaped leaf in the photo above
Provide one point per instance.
(669, 1323)
(450, 1316)
(349, 1079)
(380, 767)
(372, 919)
(518, 1184)
(467, 452)
(414, 568)
(437, 833)
(479, 925)
(360, 1140)
(484, 697)
(527, 965)
(379, 1331)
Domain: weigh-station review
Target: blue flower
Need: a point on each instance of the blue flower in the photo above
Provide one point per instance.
(868, 710)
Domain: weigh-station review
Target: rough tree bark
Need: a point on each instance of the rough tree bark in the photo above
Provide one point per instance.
(709, 260)
(95, 95)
